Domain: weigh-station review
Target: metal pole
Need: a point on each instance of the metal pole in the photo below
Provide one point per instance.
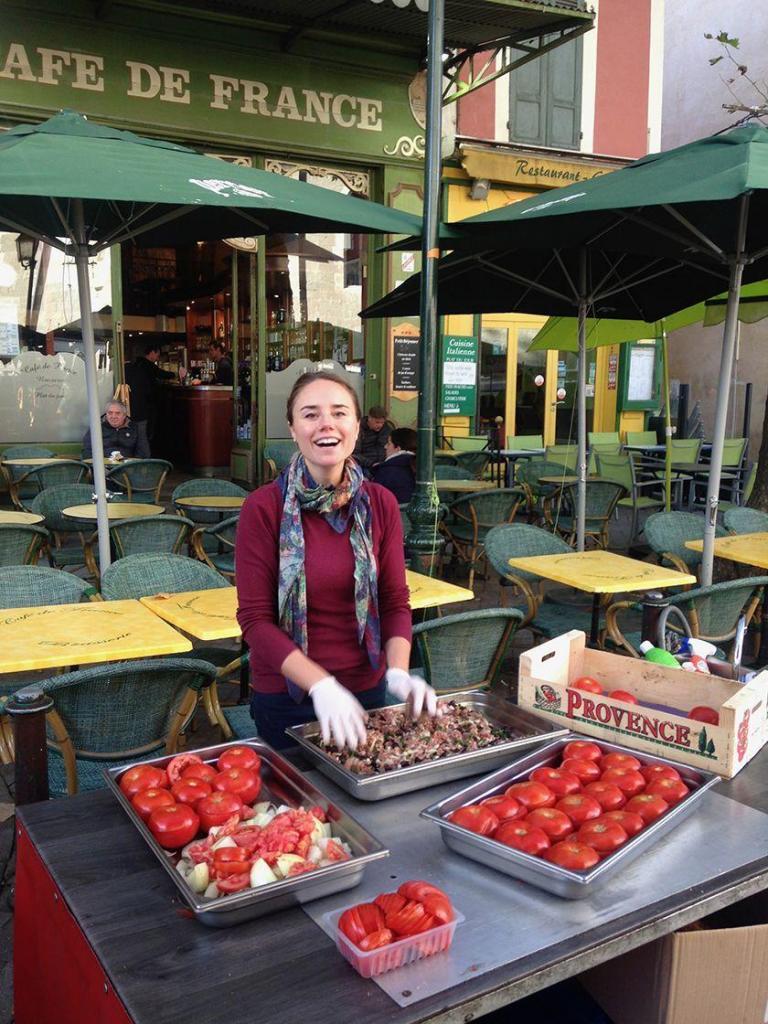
(94, 412)
(27, 708)
(721, 407)
(581, 405)
(667, 423)
(423, 508)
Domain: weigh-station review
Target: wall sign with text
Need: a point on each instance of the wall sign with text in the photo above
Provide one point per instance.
(459, 375)
(405, 358)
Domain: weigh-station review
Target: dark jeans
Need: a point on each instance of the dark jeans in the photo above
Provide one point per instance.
(273, 713)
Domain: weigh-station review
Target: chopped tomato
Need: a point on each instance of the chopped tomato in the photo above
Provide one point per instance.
(532, 794)
(438, 905)
(390, 902)
(476, 818)
(232, 883)
(177, 765)
(572, 855)
(408, 920)
(318, 812)
(357, 922)
(230, 860)
(142, 776)
(376, 939)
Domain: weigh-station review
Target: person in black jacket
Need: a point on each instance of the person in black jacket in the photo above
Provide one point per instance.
(118, 434)
(143, 376)
(225, 373)
(375, 429)
(398, 471)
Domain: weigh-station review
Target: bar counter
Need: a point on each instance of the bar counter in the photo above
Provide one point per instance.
(194, 426)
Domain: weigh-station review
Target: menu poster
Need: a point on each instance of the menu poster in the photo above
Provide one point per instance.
(642, 367)
(405, 362)
(459, 391)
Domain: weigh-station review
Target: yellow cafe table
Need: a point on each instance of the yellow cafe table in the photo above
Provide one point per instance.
(115, 510)
(601, 572)
(212, 502)
(19, 518)
(428, 592)
(48, 461)
(465, 486)
(54, 636)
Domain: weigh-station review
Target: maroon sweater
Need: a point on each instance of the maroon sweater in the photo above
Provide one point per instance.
(329, 566)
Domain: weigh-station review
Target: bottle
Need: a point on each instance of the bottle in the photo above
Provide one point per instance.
(658, 655)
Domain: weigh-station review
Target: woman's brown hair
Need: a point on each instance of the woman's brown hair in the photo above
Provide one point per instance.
(309, 378)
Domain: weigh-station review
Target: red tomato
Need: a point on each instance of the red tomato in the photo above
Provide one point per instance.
(586, 683)
(241, 781)
(142, 776)
(583, 750)
(572, 855)
(531, 794)
(409, 920)
(607, 794)
(146, 800)
(173, 826)
(628, 780)
(215, 809)
(504, 807)
(205, 772)
(603, 836)
(631, 823)
(239, 757)
(659, 771)
(579, 808)
(561, 782)
(376, 940)
(357, 922)
(476, 818)
(233, 883)
(624, 695)
(648, 806)
(414, 889)
(177, 765)
(671, 790)
(556, 824)
(189, 791)
(704, 714)
(619, 761)
(390, 902)
(522, 836)
(586, 771)
(438, 906)
(231, 860)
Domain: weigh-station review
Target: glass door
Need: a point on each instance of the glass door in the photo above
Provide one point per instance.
(567, 376)
(531, 389)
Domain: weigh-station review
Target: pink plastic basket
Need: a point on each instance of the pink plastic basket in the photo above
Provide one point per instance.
(396, 954)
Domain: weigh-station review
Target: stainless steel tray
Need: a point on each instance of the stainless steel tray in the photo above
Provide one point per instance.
(527, 727)
(283, 784)
(572, 885)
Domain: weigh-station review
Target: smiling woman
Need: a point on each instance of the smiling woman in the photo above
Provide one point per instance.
(322, 598)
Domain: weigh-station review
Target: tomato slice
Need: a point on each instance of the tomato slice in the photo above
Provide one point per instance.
(177, 765)
(409, 920)
(390, 902)
(417, 890)
(438, 905)
(376, 939)
(357, 922)
(232, 883)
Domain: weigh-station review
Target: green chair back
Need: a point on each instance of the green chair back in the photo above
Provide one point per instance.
(607, 448)
(604, 437)
(219, 552)
(564, 454)
(278, 452)
(733, 451)
(52, 500)
(685, 449)
(668, 532)
(20, 543)
(486, 508)
(145, 534)
(641, 437)
(448, 472)
(30, 586)
(143, 575)
(460, 652)
(717, 608)
(525, 442)
(142, 479)
(617, 467)
(471, 443)
(63, 471)
(473, 462)
(27, 451)
(740, 519)
(204, 486)
(520, 540)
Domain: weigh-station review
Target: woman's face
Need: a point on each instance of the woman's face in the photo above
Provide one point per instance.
(325, 428)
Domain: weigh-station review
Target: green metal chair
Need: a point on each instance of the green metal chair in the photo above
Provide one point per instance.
(541, 614)
(465, 651)
(451, 472)
(164, 534)
(470, 443)
(110, 715)
(31, 586)
(604, 437)
(205, 486)
(471, 516)
(21, 543)
(224, 534)
(602, 497)
(667, 532)
(49, 503)
(277, 454)
(740, 519)
(525, 442)
(713, 612)
(11, 474)
(641, 437)
(474, 462)
(685, 450)
(564, 454)
(600, 448)
(641, 494)
(743, 487)
(141, 479)
(40, 478)
(537, 493)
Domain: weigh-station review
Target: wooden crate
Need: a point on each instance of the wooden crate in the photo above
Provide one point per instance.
(546, 671)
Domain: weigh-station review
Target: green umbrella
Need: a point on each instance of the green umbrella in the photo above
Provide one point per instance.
(81, 187)
(669, 230)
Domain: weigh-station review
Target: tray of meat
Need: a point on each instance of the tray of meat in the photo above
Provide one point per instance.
(476, 732)
(570, 815)
(241, 832)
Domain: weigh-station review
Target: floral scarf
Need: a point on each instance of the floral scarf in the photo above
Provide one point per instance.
(340, 504)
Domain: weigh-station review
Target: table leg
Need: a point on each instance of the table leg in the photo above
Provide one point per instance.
(595, 627)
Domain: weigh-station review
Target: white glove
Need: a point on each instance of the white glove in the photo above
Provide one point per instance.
(412, 689)
(339, 713)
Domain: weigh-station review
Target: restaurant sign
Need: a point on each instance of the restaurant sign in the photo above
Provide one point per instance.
(158, 79)
(459, 391)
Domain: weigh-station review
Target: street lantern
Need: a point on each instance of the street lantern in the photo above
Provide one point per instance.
(26, 251)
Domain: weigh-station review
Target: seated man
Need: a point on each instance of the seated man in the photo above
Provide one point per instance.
(118, 434)
(374, 431)
(398, 470)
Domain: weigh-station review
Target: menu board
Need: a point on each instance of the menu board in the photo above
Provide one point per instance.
(459, 391)
(405, 362)
(642, 373)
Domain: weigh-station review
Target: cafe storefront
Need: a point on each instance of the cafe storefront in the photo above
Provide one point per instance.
(346, 118)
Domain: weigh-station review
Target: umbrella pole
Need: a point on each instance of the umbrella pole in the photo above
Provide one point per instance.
(667, 423)
(723, 388)
(94, 412)
(581, 405)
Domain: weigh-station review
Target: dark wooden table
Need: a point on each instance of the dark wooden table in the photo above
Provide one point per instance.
(98, 924)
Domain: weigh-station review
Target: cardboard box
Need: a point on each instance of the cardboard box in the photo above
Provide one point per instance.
(716, 973)
(660, 727)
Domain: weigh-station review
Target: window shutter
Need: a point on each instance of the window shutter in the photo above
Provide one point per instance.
(527, 103)
(545, 99)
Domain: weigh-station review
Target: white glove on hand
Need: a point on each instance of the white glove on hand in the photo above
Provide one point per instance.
(339, 713)
(411, 689)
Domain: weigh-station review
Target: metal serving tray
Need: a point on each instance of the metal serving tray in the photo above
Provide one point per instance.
(529, 729)
(282, 784)
(572, 885)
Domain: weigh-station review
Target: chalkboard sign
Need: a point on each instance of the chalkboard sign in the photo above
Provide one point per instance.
(405, 362)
